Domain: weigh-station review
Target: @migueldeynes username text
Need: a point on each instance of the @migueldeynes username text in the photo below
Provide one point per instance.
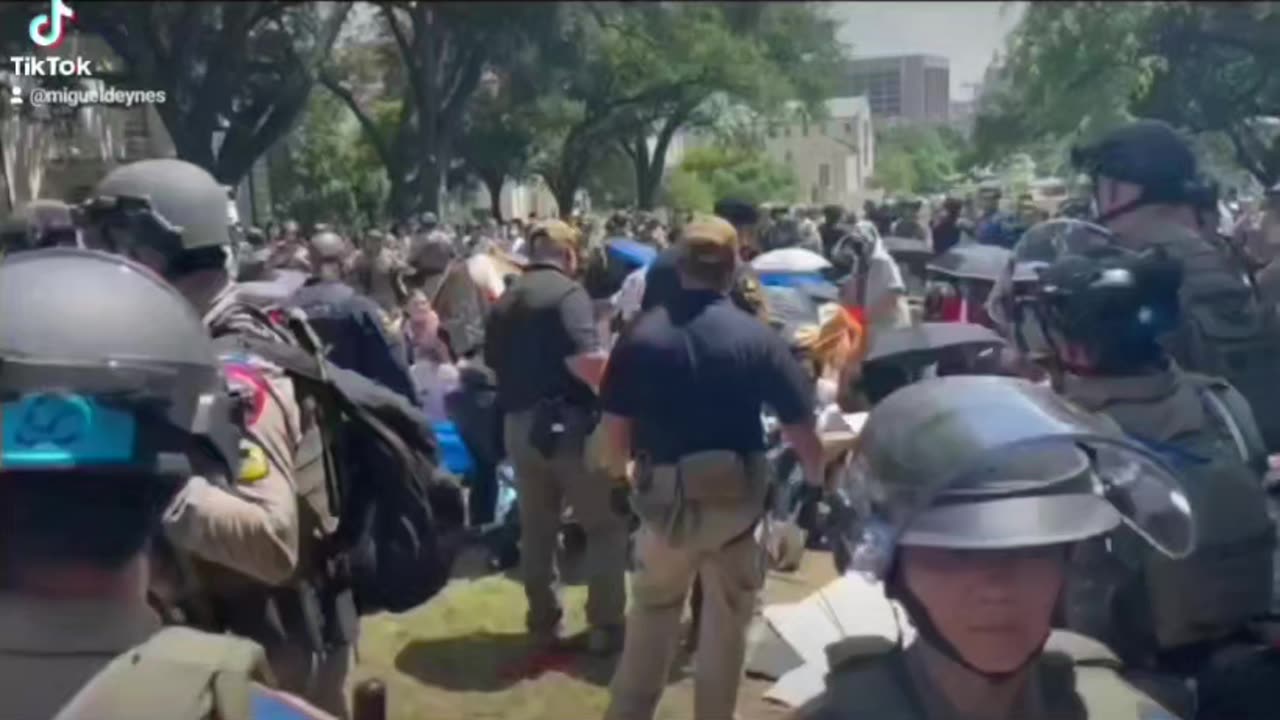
(43, 97)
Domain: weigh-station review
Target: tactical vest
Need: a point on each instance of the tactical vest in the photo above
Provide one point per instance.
(178, 674)
(1078, 679)
(1154, 603)
(1225, 329)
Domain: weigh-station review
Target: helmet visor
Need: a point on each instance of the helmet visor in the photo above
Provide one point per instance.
(1050, 240)
(121, 412)
(1027, 464)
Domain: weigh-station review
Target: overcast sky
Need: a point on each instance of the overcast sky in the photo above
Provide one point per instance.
(966, 33)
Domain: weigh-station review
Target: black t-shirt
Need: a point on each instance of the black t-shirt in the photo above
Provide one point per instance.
(541, 320)
(662, 284)
(831, 234)
(694, 375)
(946, 235)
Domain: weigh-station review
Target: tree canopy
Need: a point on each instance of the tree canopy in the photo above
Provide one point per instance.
(710, 173)
(918, 158)
(1075, 69)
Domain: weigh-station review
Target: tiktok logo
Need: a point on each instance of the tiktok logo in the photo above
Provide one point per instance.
(48, 30)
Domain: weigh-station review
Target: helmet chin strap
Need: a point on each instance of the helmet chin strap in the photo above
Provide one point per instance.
(897, 589)
(1122, 209)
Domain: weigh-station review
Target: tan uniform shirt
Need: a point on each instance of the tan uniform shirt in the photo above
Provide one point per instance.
(253, 527)
(50, 648)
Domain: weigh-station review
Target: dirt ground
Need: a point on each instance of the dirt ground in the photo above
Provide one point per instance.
(459, 655)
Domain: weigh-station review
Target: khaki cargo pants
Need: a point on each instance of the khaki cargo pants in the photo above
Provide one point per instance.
(544, 486)
(713, 540)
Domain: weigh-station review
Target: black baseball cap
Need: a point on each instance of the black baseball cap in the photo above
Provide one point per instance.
(739, 213)
(1149, 153)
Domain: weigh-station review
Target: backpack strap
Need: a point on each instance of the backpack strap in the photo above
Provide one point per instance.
(178, 674)
(1232, 413)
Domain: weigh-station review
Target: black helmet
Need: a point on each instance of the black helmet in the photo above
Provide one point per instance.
(984, 463)
(38, 224)
(1039, 247)
(1147, 153)
(85, 385)
(169, 206)
(1113, 302)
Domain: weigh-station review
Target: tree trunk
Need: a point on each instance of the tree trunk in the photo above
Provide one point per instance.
(649, 166)
(564, 196)
(494, 183)
(648, 181)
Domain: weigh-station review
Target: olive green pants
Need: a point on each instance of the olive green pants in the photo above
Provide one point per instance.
(732, 576)
(544, 485)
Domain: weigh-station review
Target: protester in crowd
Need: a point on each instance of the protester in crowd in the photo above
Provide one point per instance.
(946, 229)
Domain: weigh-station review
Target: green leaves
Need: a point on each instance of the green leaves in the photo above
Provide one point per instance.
(708, 174)
(1076, 69)
(332, 173)
(918, 158)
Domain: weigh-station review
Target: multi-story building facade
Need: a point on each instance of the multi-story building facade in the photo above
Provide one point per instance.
(832, 160)
(911, 88)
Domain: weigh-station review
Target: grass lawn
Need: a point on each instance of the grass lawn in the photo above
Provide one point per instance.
(453, 658)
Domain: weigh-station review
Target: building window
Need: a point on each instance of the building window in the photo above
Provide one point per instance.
(787, 157)
(848, 128)
(824, 176)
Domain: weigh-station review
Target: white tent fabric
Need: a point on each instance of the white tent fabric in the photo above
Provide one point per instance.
(790, 260)
(789, 641)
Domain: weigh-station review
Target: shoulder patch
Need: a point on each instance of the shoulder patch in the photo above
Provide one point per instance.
(253, 463)
(247, 381)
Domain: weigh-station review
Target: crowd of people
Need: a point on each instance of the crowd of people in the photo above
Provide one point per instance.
(223, 445)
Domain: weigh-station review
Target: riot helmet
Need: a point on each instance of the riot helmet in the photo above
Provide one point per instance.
(86, 386)
(1146, 153)
(992, 471)
(327, 246)
(1112, 303)
(973, 462)
(1039, 247)
(168, 208)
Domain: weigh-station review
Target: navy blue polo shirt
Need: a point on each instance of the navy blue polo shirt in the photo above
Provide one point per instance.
(351, 325)
(695, 374)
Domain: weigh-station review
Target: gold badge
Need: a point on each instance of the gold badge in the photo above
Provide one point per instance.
(253, 464)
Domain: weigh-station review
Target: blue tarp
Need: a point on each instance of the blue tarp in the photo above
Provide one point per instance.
(798, 280)
(635, 254)
(453, 452)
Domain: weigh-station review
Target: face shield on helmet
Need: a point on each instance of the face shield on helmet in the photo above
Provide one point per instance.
(84, 385)
(1039, 247)
(986, 463)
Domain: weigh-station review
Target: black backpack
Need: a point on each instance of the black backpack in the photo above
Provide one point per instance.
(400, 519)
(1226, 331)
